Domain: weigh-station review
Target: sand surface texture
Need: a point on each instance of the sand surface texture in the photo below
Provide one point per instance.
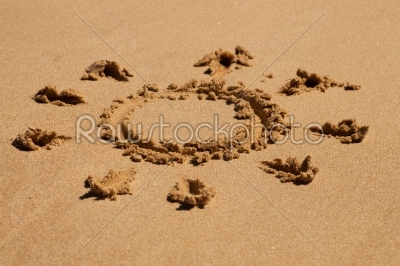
(65, 200)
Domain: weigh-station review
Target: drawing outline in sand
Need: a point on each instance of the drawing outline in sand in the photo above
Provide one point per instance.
(249, 103)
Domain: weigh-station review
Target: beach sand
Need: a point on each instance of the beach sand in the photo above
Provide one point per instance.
(349, 214)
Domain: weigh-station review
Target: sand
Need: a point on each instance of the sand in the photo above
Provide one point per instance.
(292, 170)
(105, 68)
(248, 212)
(49, 94)
(113, 184)
(306, 82)
(35, 138)
(347, 131)
(221, 62)
(191, 192)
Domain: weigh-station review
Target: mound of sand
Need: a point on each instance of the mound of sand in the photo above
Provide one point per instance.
(292, 170)
(113, 184)
(35, 138)
(49, 94)
(221, 61)
(347, 131)
(305, 82)
(105, 68)
(192, 192)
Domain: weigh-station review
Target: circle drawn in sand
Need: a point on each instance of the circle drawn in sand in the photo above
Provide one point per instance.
(247, 104)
